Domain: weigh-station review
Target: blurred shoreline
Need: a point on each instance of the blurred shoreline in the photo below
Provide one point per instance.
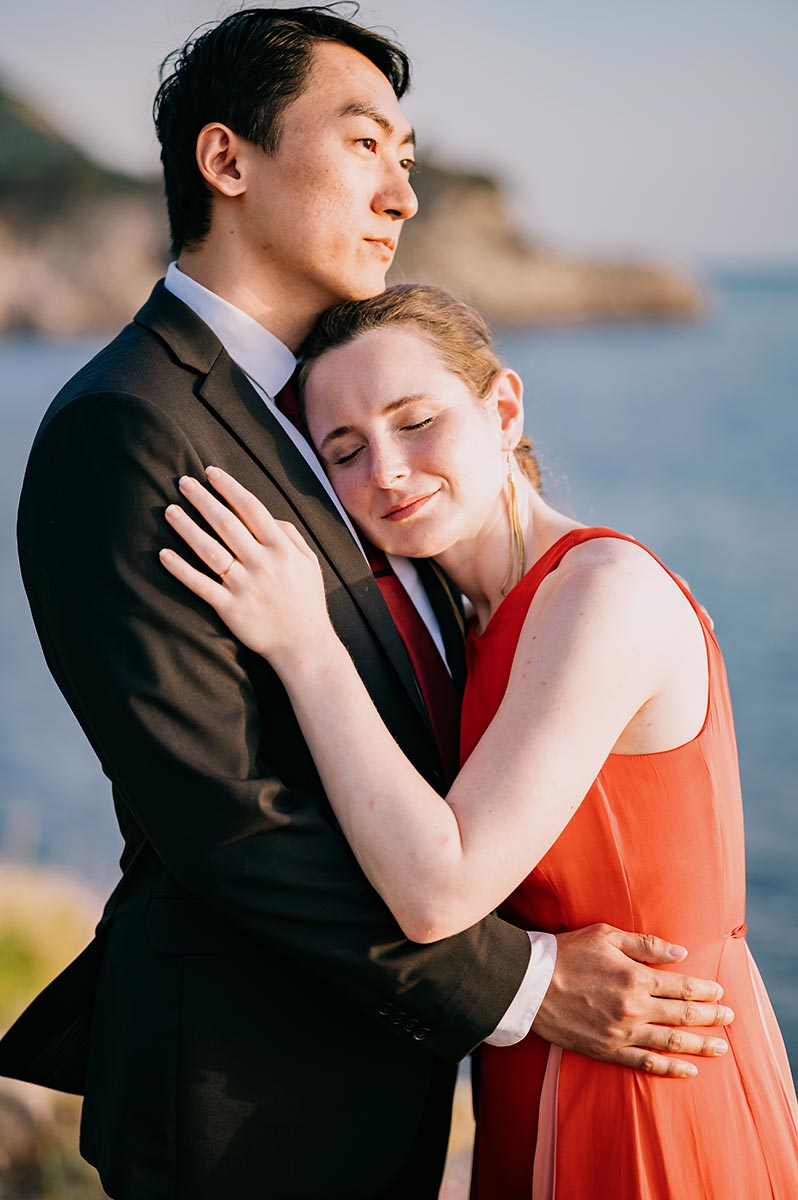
(682, 433)
(81, 246)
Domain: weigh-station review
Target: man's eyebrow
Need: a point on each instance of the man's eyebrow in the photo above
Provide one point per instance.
(362, 108)
(394, 406)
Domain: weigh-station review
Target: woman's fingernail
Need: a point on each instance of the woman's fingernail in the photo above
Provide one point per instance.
(186, 483)
(166, 555)
(174, 510)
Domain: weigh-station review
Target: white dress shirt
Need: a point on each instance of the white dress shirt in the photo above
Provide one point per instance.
(269, 364)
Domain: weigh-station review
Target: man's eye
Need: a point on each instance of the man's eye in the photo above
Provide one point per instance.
(369, 142)
(409, 165)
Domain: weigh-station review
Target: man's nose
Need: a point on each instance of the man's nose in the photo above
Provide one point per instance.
(396, 196)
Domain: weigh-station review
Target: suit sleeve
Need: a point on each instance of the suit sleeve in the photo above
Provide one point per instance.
(165, 696)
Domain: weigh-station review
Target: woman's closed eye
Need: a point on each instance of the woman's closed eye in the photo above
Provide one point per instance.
(346, 457)
(349, 455)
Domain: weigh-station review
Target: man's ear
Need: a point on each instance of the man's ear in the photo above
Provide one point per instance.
(508, 393)
(218, 150)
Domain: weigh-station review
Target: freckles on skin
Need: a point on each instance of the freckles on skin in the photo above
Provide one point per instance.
(353, 386)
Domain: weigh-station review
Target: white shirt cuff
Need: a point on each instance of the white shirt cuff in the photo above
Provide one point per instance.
(517, 1021)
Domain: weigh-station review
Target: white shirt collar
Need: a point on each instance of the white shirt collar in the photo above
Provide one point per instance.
(263, 357)
(270, 364)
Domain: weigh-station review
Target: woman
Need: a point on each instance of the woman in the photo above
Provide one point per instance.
(599, 777)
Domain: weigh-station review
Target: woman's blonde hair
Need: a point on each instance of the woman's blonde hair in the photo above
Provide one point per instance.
(457, 331)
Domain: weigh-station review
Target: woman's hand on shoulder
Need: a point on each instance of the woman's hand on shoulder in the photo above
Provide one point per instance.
(269, 591)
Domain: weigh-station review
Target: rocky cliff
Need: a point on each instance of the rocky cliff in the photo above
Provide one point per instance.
(467, 243)
(80, 246)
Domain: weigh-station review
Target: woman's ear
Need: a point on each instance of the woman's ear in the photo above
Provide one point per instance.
(218, 150)
(508, 392)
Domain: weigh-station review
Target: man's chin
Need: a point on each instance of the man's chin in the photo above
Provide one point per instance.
(363, 288)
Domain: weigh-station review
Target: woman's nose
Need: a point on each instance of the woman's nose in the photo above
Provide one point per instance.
(387, 468)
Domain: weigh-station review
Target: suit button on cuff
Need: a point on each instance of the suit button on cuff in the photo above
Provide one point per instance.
(421, 1033)
(385, 1010)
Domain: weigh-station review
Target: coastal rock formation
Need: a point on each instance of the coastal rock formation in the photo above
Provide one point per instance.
(87, 267)
(80, 246)
(466, 243)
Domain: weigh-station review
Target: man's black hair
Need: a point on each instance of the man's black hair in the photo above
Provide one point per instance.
(244, 72)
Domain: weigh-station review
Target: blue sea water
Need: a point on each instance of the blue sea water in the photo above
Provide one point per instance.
(683, 435)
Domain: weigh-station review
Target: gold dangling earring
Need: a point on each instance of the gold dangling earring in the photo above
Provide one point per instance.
(517, 563)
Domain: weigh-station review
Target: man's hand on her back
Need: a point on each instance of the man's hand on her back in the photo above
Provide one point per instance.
(605, 1001)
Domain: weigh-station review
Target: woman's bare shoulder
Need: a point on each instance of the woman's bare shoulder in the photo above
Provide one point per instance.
(608, 595)
(605, 566)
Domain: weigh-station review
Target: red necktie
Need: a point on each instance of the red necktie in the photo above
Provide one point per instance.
(434, 681)
(287, 400)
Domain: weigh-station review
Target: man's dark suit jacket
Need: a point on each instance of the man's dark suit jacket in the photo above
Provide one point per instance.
(259, 1027)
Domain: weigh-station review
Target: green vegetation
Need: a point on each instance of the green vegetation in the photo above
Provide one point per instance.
(45, 920)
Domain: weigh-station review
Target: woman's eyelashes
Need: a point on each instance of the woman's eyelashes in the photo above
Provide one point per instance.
(343, 459)
(349, 455)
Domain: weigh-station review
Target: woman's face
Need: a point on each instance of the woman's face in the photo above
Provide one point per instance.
(416, 459)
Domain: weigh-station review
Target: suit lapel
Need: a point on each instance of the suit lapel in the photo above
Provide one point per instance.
(226, 391)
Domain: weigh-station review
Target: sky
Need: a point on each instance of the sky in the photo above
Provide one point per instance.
(619, 127)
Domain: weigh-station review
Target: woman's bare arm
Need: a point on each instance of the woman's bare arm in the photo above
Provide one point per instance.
(585, 665)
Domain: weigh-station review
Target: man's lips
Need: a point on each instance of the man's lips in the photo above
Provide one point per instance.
(407, 507)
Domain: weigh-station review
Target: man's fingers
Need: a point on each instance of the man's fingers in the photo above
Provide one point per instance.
(656, 1039)
(691, 1012)
(646, 948)
(655, 1064)
(670, 986)
(681, 1041)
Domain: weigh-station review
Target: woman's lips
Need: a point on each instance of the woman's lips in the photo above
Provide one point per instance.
(385, 247)
(400, 512)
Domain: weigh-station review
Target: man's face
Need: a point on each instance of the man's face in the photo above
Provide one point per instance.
(323, 214)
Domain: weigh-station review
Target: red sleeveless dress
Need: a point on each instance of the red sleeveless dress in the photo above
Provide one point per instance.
(657, 847)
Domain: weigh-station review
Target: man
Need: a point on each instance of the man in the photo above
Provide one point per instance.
(259, 1026)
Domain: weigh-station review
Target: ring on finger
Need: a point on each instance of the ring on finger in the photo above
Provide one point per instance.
(222, 574)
